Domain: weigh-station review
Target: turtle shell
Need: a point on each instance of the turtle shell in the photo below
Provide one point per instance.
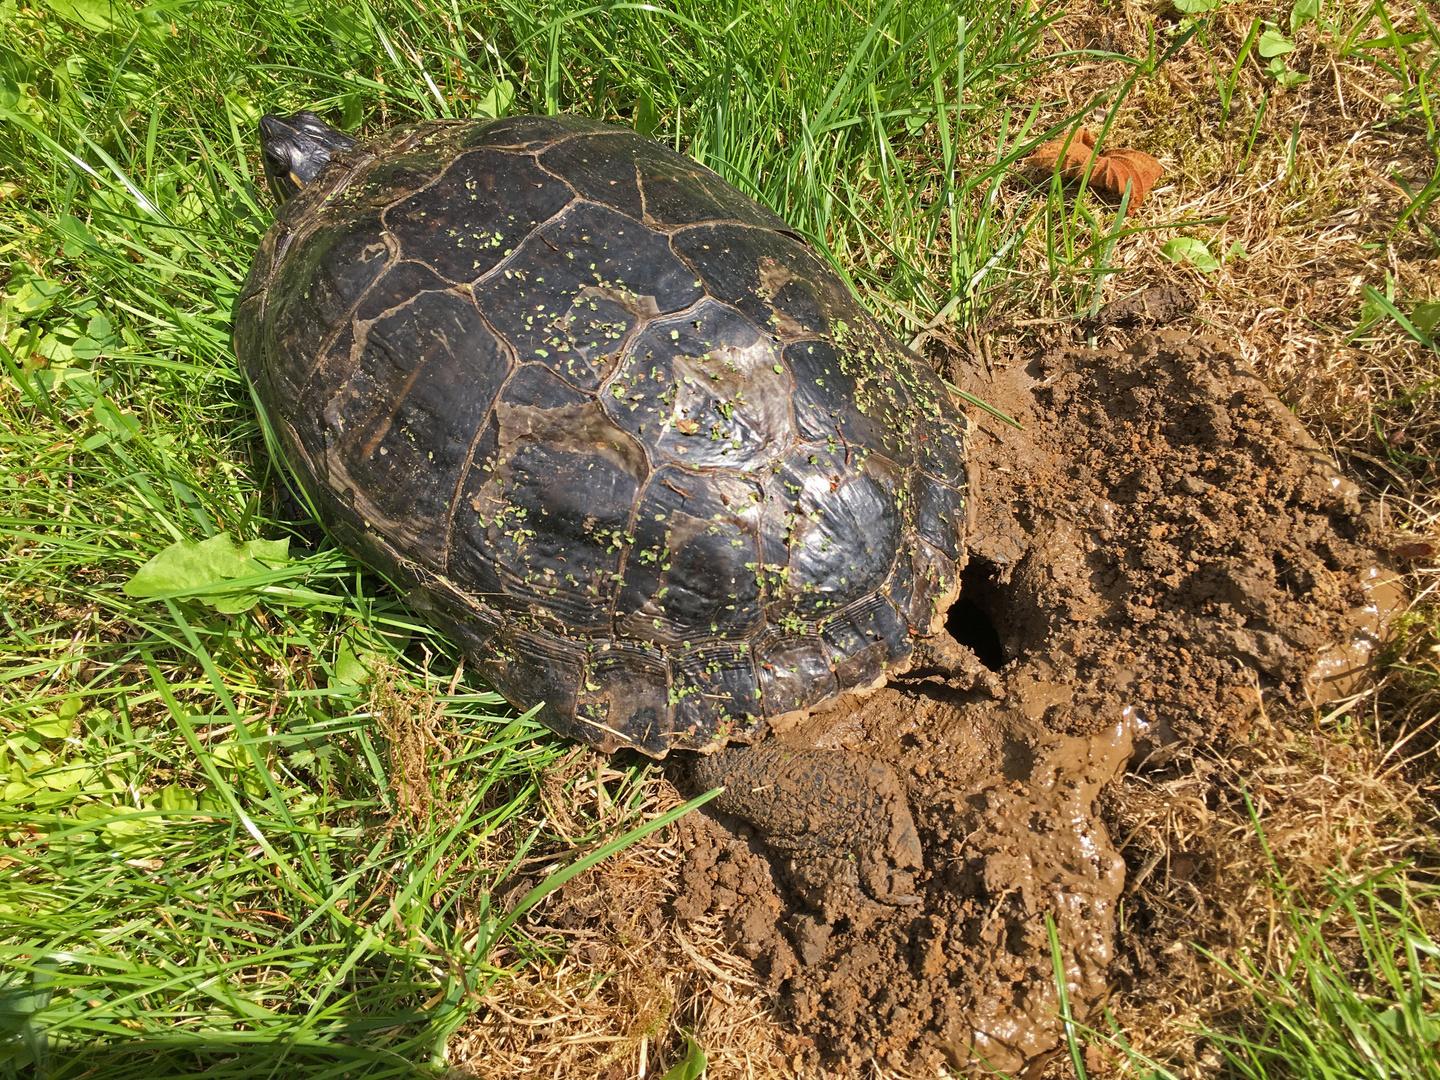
(613, 424)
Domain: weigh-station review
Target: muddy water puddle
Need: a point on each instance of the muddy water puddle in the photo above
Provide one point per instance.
(1161, 548)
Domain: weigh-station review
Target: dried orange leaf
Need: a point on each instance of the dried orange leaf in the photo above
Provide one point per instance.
(1117, 168)
(1109, 171)
(1413, 549)
(1077, 150)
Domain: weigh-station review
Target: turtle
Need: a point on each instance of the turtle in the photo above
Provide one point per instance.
(616, 429)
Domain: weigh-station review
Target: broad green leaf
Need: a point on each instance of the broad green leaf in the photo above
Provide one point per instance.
(86, 348)
(35, 297)
(92, 14)
(1274, 43)
(497, 99)
(22, 995)
(1187, 251)
(647, 117)
(122, 426)
(1195, 7)
(1371, 310)
(231, 753)
(187, 565)
(122, 832)
(350, 668)
(1426, 317)
(174, 798)
(77, 236)
(352, 111)
(691, 1066)
(1303, 12)
(1283, 75)
(57, 352)
(52, 726)
(18, 103)
(66, 777)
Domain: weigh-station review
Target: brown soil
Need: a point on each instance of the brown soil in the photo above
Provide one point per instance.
(1158, 550)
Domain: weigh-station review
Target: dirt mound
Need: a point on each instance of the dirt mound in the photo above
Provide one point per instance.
(1160, 544)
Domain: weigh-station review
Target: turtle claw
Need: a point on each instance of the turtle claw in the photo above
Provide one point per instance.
(940, 654)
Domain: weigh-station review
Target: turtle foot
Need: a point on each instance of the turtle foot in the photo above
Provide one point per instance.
(940, 654)
(840, 817)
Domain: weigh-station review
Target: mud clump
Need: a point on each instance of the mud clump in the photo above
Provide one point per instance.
(1182, 543)
(1158, 546)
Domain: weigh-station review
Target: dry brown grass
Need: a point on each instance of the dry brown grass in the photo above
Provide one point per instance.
(1200, 895)
(628, 982)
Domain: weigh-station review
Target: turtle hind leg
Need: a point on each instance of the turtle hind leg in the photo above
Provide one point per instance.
(940, 654)
(840, 817)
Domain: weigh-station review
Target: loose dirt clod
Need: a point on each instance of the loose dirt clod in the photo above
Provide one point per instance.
(1159, 546)
(1159, 304)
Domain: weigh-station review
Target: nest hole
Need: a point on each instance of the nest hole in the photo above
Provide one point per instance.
(985, 605)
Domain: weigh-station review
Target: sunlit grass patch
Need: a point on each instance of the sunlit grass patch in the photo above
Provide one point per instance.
(1348, 987)
(1355, 989)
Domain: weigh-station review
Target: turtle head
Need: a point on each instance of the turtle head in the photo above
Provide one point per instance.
(296, 148)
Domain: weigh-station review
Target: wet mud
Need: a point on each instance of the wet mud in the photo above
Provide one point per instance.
(1157, 549)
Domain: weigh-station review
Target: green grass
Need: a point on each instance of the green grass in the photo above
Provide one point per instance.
(1356, 989)
(1346, 986)
(208, 862)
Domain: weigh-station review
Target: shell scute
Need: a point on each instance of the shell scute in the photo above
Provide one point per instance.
(312, 293)
(542, 668)
(552, 511)
(770, 276)
(715, 694)
(627, 691)
(940, 450)
(480, 209)
(650, 182)
(865, 640)
(939, 514)
(843, 530)
(704, 390)
(529, 133)
(576, 287)
(599, 169)
(472, 555)
(826, 409)
(398, 287)
(924, 585)
(794, 672)
(691, 571)
(410, 159)
(400, 426)
(678, 190)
